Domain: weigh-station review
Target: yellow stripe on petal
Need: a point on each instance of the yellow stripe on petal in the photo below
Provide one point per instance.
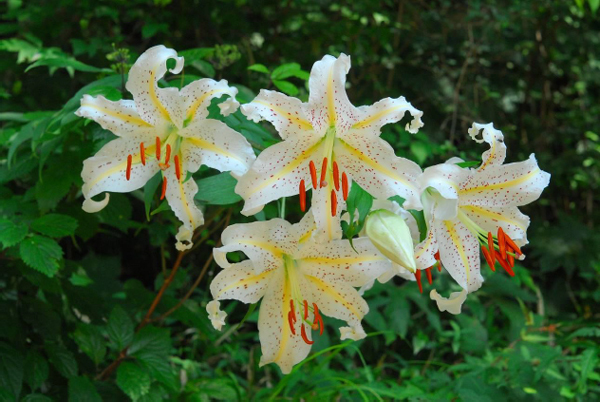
(502, 185)
(304, 123)
(490, 156)
(244, 281)
(425, 246)
(492, 215)
(325, 288)
(185, 203)
(341, 260)
(459, 246)
(121, 116)
(194, 107)
(378, 116)
(330, 97)
(213, 148)
(121, 167)
(154, 97)
(277, 252)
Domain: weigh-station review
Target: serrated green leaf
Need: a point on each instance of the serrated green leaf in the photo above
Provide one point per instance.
(90, 341)
(81, 389)
(160, 369)
(41, 253)
(285, 71)
(11, 233)
(11, 369)
(151, 340)
(55, 225)
(133, 380)
(36, 370)
(260, 68)
(217, 190)
(62, 359)
(120, 328)
(286, 87)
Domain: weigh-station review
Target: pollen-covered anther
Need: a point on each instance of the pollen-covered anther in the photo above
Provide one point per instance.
(164, 188)
(168, 155)
(418, 278)
(488, 257)
(142, 153)
(336, 176)
(510, 243)
(313, 174)
(291, 321)
(305, 310)
(438, 259)
(323, 171)
(333, 203)
(302, 193)
(491, 249)
(318, 322)
(504, 264)
(177, 167)
(304, 337)
(128, 171)
(158, 148)
(345, 186)
(501, 243)
(429, 277)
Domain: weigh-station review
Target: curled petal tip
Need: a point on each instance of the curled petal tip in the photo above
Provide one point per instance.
(453, 304)
(229, 106)
(355, 333)
(92, 206)
(184, 239)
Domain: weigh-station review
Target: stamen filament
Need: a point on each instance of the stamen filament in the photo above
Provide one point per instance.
(157, 148)
(429, 278)
(128, 172)
(345, 186)
(143, 153)
(302, 196)
(336, 176)
(164, 188)
(333, 203)
(418, 277)
(313, 174)
(304, 337)
(512, 244)
(177, 167)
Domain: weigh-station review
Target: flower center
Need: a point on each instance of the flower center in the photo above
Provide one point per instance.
(329, 175)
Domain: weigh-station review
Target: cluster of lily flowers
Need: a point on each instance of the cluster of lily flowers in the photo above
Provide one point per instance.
(306, 270)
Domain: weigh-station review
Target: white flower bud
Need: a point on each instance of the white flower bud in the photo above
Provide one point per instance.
(391, 235)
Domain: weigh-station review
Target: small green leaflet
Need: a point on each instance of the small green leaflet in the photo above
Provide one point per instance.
(218, 190)
(133, 380)
(260, 68)
(11, 233)
(55, 225)
(361, 201)
(286, 87)
(42, 254)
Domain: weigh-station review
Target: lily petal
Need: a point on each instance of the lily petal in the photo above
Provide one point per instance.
(213, 143)
(355, 333)
(197, 96)
(453, 304)
(284, 112)
(373, 164)
(329, 225)
(388, 110)
(512, 184)
(120, 117)
(510, 219)
(155, 105)
(106, 171)
(240, 282)
(497, 153)
(328, 104)
(215, 315)
(459, 252)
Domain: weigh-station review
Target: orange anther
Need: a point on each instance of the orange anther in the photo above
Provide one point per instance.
(336, 176)
(292, 309)
(418, 277)
(323, 169)
(143, 153)
(429, 278)
(158, 148)
(128, 172)
(488, 258)
(511, 260)
(491, 246)
(501, 243)
(504, 264)
(164, 188)
(345, 186)
(168, 156)
(304, 337)
(333, 203)
(318, 319)
(321, 326)
(291, 322)
(512, 245)
(437, 255)
(302, 196)
(305, 310)
(313, 174)
(177, 167)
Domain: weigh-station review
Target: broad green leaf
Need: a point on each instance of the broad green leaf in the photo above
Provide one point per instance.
(81, 389)
(11, 369)
(594, 5)
(220, 389)
(199, 53)
(286, 87)
(151, 340)
(62, 359)
(218, 190)
(90, 341)
(42, 254)
(65, 62)
(149, 190)
(36, 370)
(11, 233)
(261, 68)
(133, 380)
(120, 328)
(160, 369)
(55, 225)
(285, 71)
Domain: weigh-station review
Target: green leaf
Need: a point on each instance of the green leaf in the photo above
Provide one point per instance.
(420, 150)
(11, 370)
(90, 341)
(218, 190)
(286, 87)
(66, 62)
(285, 71)
(55, 225)
(11, 233)
(159, 368)
(80, 278)
(81, 389)
(261, 68)
(62, 359)
(589, 358)
(36, 370)
(468, 164)
(149, 190)
(133, 380)
(151, 340)
(199, 53)
(594, 5)
(120, 328)
(42, 254)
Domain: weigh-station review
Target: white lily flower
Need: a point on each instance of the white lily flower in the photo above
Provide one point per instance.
(472, 209)
(327, 143)
(215, 315)
(298, 279)
(162, 129)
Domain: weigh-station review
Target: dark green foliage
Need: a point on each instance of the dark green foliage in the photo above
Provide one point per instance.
(75, 287)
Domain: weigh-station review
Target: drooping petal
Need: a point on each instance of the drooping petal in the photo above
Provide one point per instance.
(336, 261)
(497, 153)
(355, 333)
(328, 104)
(180, 195)
(156, 105)
(240, 282)
(277, 342)
(264, 243)
(107, 170)
(198, 94)
(119, 117)
(510, 219)
(459, 252)
(513, 184)
(284, 112)
(453, 304)
(388, 110)
(277, 172)
(373, 164)
(215, 315)
(213, 143)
